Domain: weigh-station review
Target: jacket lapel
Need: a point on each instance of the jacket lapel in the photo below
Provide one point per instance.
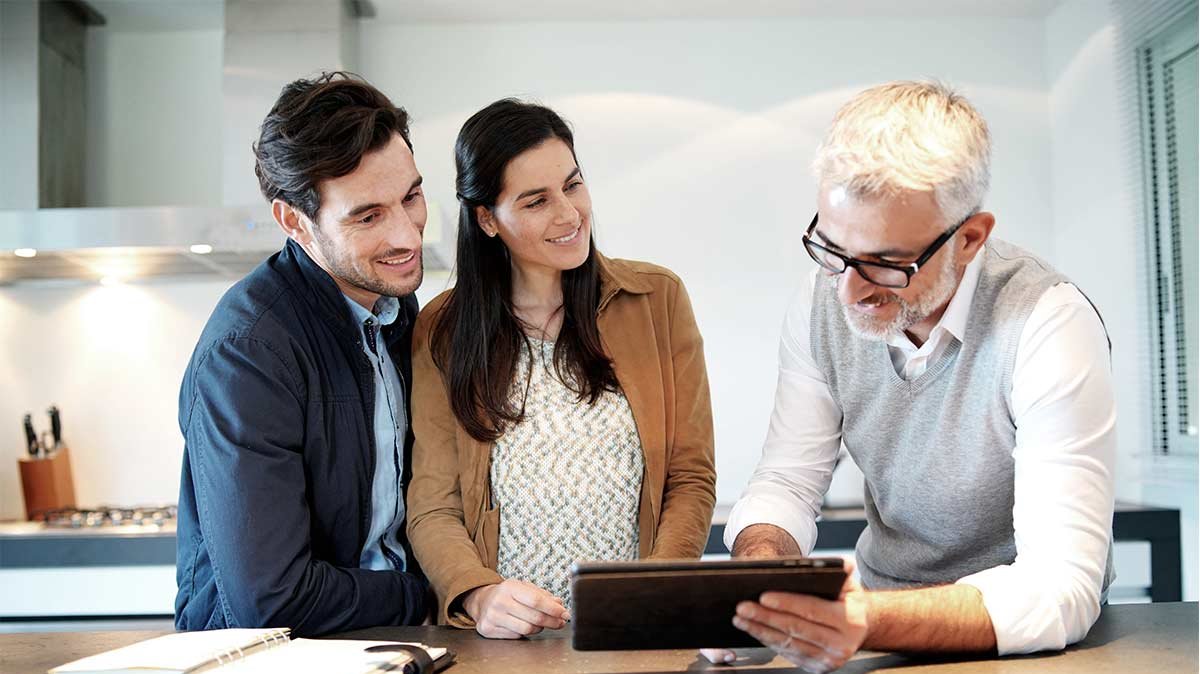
(627, 334)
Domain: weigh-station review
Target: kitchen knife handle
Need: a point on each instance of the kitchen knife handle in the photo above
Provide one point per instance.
(31, 441)
(55, 426)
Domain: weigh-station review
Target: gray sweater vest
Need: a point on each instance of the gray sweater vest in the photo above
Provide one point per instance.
(936, 451)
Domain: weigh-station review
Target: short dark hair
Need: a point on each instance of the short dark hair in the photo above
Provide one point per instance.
(320, 129)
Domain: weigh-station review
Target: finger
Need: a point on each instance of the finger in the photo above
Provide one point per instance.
(831, 614)
(808, 664)
(718, 656)
(536, 598)
(852, 583)
(492, 631)
(512, 623)
(532, 615)
(795, 626)
(781, 642)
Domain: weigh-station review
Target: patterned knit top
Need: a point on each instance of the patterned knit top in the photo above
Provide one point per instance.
(567, 479)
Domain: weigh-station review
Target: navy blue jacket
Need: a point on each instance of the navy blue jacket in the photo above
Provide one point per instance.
(277, 410)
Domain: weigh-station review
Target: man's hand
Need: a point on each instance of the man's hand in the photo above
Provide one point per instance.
(755, 541)
(816, 634)
(514, 609)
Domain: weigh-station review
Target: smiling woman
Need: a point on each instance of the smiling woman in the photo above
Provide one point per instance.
(561, 400)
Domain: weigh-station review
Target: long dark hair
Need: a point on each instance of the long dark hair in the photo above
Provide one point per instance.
(477, 337)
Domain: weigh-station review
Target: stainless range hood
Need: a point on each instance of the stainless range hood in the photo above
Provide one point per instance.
(119, 244)
(265, 44)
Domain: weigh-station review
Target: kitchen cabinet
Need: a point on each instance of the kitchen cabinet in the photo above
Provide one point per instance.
(125, 571)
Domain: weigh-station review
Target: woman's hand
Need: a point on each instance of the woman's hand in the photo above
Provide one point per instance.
(514, 609)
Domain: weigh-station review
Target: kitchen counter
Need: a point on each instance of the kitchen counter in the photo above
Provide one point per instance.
(120, 572)
(32, 545)
(1161, 638)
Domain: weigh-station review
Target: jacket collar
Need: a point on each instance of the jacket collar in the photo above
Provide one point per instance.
(615, 277)
(315, 283)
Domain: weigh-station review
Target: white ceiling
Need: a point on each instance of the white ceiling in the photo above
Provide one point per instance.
(412, 11)
(156, 15)
(209, 14)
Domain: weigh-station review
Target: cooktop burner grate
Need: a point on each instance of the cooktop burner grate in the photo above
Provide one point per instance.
(108, 516)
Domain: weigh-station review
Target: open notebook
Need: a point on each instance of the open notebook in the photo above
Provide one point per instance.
(251, 651)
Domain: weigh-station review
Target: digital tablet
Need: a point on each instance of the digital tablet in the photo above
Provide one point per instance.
(684, 604)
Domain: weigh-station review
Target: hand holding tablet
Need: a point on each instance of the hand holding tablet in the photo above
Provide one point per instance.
(685, 604)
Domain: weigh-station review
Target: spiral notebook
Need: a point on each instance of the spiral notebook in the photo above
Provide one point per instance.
(251, 651)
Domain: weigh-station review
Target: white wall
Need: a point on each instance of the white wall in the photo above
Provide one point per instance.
(1098, 243)
(696, 138)
(112, 359)
(153, 118)
(1093, 206)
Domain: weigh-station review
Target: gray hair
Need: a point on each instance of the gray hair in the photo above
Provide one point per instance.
(898, 136)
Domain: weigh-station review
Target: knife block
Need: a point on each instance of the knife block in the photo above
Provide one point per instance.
(47, 483)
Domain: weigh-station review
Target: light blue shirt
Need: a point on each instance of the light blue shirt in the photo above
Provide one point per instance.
(382, 549)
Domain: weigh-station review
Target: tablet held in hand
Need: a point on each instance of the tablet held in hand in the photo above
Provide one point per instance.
(684, 604)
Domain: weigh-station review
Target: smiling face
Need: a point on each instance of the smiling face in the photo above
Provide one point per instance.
(367, 234)
(895, 230)
(544, 212)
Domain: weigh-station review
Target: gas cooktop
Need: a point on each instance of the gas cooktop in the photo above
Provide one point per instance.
(104, 520)
(108, 516)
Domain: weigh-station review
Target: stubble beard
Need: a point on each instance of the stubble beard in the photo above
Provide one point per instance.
(909, 312)
(342, 265)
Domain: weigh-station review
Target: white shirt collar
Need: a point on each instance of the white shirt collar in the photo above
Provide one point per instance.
(954, 319)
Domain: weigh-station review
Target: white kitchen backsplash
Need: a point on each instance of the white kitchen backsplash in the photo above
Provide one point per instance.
(111, 358)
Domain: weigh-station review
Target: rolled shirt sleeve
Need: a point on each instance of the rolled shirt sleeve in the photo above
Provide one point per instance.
(1063, 407)
(1064, 455)
(802, 442)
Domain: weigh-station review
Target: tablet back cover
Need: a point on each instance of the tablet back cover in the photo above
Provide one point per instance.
(671, 610)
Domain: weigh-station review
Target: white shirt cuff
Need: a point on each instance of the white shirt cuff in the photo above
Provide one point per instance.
(1025, 616)
(781, 510)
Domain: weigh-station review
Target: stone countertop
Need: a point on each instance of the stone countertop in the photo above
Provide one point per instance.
(1159, 638)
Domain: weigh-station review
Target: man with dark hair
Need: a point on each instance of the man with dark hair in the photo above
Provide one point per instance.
(294, 407)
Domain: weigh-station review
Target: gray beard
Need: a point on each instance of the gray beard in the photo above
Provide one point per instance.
(910, 312)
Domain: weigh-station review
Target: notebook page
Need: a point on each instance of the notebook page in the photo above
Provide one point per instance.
(320, 656)
(178, 652)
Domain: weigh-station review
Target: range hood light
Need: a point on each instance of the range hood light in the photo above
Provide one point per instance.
(25, 252)
(201, 248)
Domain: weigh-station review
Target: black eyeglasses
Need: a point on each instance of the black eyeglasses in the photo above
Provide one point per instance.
(878, 273)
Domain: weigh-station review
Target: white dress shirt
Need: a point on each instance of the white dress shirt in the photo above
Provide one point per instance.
(1065, 416)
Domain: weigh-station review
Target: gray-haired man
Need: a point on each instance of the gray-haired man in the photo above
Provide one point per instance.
(969, 380)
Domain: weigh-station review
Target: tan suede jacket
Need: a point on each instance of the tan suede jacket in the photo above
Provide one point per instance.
(648, 329)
